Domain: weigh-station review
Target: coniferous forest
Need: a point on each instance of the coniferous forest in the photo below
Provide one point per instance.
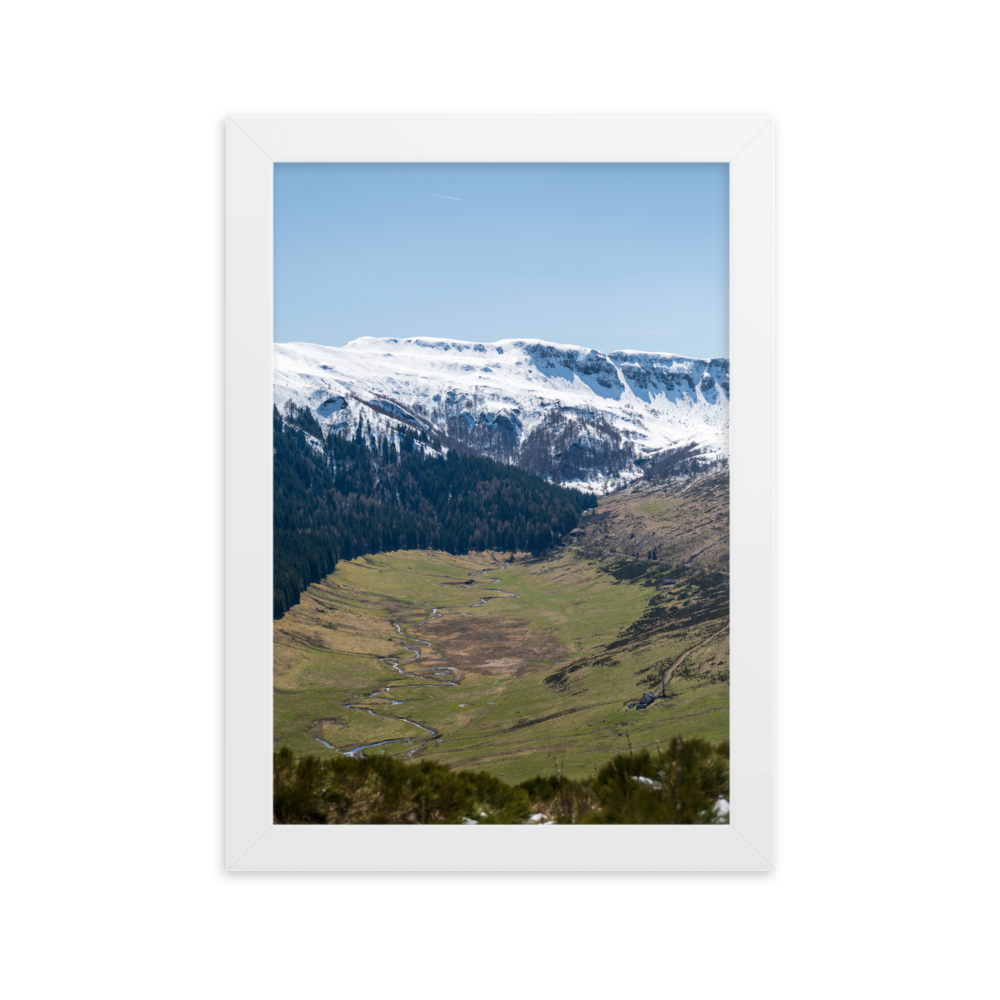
(338, 497)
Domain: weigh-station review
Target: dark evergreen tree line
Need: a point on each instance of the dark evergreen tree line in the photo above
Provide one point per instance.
(366, 495)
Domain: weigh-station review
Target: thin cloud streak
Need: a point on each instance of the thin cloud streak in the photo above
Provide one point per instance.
(448, 196)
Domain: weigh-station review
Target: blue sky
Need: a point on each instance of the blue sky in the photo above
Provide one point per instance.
(609, 256)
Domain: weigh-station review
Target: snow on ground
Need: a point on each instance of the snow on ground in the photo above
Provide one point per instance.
(601, 484)
(511, 388)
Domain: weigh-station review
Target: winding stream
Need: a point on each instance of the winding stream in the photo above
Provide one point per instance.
(425, 679)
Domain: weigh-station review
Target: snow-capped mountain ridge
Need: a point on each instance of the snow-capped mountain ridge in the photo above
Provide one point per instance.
(573, 414)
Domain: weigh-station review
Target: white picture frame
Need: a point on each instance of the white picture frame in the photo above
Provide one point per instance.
(253, 146)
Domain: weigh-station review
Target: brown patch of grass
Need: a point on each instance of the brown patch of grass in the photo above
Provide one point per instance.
(507, 665)
(325, 728)
(482, 644)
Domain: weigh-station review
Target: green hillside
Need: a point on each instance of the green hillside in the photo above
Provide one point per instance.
(518, 684)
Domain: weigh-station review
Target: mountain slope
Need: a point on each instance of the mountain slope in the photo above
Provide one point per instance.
(572, 415)
(344, 497)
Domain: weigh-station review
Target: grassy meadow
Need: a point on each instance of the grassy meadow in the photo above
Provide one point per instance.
(521, 685)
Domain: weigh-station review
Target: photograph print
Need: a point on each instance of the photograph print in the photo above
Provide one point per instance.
(501, 493)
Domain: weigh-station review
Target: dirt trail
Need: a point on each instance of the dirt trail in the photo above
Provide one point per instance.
(668, 676)
(703, 551)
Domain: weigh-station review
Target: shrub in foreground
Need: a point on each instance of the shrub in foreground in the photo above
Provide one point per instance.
(680, 784)
(383, 789)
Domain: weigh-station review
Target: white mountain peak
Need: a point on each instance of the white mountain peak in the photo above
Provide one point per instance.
(573, 414)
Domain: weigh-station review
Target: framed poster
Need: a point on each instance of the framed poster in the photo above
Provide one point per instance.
(254, 144)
